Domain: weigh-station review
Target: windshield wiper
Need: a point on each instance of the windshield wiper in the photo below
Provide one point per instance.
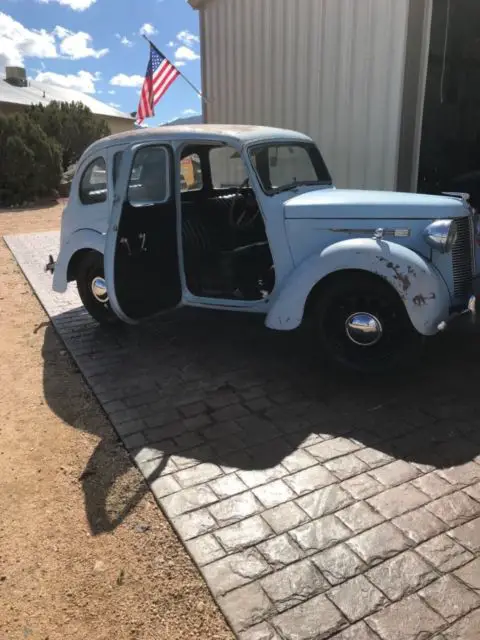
(299, 183)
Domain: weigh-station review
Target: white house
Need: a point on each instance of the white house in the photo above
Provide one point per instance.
(17, 92)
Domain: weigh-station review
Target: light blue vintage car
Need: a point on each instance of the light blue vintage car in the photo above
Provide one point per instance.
(258, 226)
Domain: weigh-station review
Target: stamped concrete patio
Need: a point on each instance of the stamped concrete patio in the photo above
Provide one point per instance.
(315, 506)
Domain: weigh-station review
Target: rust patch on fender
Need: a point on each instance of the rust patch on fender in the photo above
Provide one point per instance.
(420, 300)
(401, 277)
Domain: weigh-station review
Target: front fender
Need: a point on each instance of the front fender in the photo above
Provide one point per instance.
(82, 239)
(419, 284)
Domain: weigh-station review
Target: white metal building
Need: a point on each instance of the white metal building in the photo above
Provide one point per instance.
(350, 73)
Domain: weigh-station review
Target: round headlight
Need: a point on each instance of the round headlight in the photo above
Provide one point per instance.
(441, 235)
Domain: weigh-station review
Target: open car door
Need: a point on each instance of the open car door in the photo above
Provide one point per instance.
(141, 255)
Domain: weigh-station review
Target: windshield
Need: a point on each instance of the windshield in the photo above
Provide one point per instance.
(283, 166)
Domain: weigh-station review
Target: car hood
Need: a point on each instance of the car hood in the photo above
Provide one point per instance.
(351, 203)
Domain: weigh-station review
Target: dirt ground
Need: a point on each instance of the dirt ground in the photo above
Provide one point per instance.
(57, 579)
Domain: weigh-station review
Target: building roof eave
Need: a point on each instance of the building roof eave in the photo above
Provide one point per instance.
(197, 4)
(44, 93)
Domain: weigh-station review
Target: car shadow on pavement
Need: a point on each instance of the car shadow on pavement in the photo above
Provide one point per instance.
(111, 490)
(220, 388)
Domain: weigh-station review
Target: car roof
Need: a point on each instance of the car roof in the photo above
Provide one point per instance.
(231, 132)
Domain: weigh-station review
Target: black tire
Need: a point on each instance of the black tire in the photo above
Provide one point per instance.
(357, 293)
(90, 268)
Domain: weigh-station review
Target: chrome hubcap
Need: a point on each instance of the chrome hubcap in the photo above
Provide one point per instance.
(99, 289)
(363, 329)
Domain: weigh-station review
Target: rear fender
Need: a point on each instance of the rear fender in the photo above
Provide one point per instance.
(419, 285)
(78, 241)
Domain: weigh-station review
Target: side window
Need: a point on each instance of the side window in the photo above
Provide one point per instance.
(227, 168)
(191, 177)
(150, 177)
(93, 185)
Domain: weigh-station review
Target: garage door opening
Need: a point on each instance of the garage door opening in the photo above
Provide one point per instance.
(450, 145)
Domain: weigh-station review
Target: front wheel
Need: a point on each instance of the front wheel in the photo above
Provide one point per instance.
(93, 289)
(362, 324)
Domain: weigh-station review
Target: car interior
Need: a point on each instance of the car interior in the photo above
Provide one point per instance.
(226, 254)
(225, 246)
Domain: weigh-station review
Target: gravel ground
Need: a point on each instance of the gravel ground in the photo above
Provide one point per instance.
(57, 580)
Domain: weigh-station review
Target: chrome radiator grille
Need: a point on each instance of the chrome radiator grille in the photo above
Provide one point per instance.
(462, 257)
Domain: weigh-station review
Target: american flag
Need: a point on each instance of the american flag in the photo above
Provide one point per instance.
(160, 75)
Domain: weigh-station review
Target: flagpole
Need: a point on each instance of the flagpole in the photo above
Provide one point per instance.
(180, 73)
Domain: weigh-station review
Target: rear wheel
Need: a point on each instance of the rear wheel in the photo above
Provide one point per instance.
(92, 289)
(363, 325)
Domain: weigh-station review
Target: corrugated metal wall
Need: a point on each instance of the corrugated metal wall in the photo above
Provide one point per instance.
(330, 68)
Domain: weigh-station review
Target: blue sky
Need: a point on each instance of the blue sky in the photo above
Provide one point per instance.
(96, 46)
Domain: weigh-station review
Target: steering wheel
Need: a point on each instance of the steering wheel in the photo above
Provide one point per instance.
(247, 216)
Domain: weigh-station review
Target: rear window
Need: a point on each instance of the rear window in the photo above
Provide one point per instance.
(93, 185)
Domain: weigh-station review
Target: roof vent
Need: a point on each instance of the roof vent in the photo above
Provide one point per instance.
(16, 76)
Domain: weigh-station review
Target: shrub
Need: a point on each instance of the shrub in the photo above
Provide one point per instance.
(30, 161)
(39, 144)
(72, 124)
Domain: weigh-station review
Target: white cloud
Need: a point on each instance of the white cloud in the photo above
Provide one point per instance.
(122, 80)
(188, 38)
(61, 32)
(82, 81)
(76, 45)
(185, 53)
(190, 112)
(115, 105)
(147, 29)
(112, 92)
(16, 42)
(76, 5)
(124, 40)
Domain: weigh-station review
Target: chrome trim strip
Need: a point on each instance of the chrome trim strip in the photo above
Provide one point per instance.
(397, 233)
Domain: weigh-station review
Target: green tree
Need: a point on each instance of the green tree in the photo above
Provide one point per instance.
(72, 124)
(30, 162)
